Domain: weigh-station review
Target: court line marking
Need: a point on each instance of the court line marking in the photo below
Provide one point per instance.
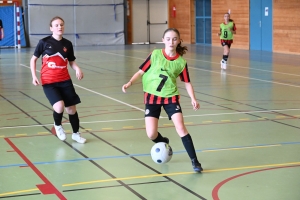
(160, 175)
(143, 109)
(216, 189)
(47, 188)
(246, 67)
(180, 173)
(137, 119)
(19, 191)
(216, 71)
(221, 73)
(103, 95)
(147, 154)
(218, 63)
(245, 77)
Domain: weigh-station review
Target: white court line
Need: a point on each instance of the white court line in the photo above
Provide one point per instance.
(230, 65)
(246, 67)
(110, 98)
(100, 94)
(165, 117)
(220, 72)
(279, 83)
(122, 55)
(138, 119)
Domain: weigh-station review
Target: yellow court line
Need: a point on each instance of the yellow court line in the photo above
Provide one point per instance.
(107, 128)
(2, 135)
(280, 116)
(241, 148)
(206, 121)
(188, 123)
(179, 173)
(126, 127)
(43, 132)
(244, 119)
(18, 192)
(168, 124)
(87, 129)
(253, 167)
(225, 120)
(21, 134)
(158, 175)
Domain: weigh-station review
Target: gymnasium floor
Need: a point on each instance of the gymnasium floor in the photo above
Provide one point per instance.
(246, 132)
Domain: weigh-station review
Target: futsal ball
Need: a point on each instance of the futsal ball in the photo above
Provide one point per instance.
(161, 153)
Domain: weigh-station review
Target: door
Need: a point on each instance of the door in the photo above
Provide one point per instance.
(203, 21)
(149, 19)
(158, 19)
(261, 25)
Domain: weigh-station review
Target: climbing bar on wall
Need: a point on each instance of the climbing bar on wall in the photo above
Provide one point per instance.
(114, 5)
(17, 14)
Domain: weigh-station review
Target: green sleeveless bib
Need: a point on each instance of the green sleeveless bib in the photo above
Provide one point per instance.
(226, 34)
(160, 79)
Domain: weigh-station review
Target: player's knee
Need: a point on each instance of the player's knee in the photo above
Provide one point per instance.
(59, 106)
(71, 110)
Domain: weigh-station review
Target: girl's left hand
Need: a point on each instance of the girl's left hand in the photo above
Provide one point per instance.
(195, 104)
(79, 74)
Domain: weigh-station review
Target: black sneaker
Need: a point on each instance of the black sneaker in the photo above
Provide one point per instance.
(196, 165)
(166, 140)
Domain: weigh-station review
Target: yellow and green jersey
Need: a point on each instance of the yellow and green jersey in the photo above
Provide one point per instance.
(226, 34)
(159, 79)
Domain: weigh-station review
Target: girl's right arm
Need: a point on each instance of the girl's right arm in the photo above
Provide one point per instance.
(35, 80)
(135, 77)
(219, 34)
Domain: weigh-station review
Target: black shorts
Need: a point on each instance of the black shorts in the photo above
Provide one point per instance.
(61, 91)
(154, 110)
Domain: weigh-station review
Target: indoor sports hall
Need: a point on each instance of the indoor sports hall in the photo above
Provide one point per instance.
(246, 132)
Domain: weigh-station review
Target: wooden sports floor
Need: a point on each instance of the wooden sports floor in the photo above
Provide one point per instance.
(246, 133)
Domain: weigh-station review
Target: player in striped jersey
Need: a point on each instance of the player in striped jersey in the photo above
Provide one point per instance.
(159, 73)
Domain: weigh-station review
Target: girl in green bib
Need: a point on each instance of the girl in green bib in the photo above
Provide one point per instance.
(159, 73)
(227, 29)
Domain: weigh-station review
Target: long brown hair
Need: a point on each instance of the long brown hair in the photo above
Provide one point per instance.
(179, 49)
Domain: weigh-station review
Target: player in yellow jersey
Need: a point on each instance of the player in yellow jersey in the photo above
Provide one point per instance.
(227, 29)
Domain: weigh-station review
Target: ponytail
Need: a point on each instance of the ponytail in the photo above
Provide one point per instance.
(181, 49)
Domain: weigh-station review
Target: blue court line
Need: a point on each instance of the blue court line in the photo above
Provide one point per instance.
(137, 155)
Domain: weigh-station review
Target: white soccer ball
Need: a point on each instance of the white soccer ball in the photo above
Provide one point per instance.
(161, 153)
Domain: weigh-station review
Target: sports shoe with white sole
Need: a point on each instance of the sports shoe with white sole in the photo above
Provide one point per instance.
(78, 138)
(223, 64)
(60, 133)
